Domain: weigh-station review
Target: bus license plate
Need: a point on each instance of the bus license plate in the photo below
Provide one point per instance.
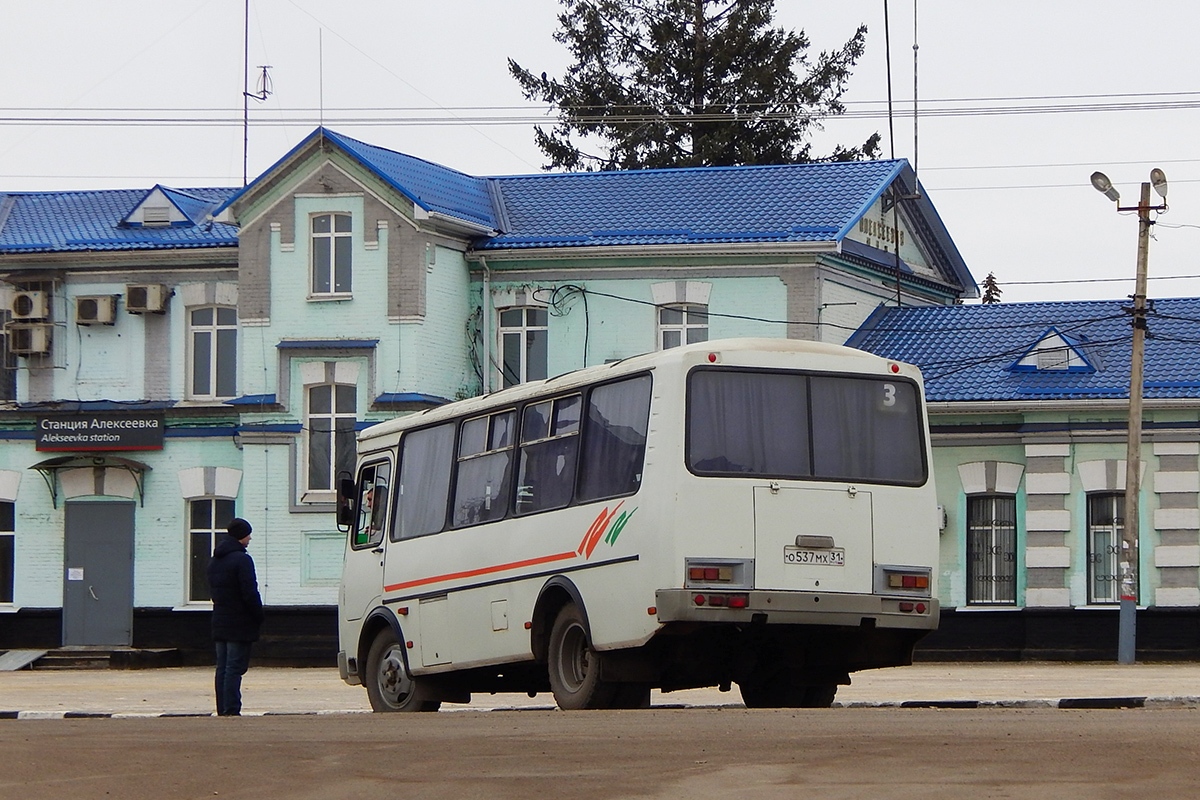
(835, 557)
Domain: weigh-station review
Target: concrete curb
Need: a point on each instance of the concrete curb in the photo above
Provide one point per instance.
(1066, 703)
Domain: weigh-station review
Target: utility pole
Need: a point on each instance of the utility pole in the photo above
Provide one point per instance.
(1130, 534)
(1127, 634)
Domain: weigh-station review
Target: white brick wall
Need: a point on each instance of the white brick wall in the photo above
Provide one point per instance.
(1048, 483)
(1186, 596)
(1177, 518)
(1048, 598)
(1052, 520)
(1048, 557)
(1177, 556)
(1167, 482)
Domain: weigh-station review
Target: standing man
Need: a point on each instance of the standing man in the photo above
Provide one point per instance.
(237, 614)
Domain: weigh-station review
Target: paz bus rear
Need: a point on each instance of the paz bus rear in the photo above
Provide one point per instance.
(806, 519)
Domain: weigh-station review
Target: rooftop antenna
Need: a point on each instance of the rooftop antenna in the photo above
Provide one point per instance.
(263, 90)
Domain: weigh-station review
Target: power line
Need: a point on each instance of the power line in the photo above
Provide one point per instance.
(535, 114)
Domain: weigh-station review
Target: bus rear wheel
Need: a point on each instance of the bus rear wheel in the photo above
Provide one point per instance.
(390, 687)
(782, 693)
(574, 666)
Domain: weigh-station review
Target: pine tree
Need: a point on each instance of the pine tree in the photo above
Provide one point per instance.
(991, 289)
(666, 83)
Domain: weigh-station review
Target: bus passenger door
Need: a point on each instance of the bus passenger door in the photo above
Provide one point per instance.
(362, 573)
(813, 539)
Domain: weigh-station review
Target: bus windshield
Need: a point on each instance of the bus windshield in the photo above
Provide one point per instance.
(802, 426)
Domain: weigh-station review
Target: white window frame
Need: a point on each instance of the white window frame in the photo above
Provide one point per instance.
(685, 328)
(213, 331)
(992, 532)
(330, 239)
(521, 335)
(1104, 549)
(326, 494)
(212, 530)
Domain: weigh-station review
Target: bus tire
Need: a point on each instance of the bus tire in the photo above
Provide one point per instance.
(390, 687)
(574, 666)
(820, 695)
(782, 693)
(631, 695)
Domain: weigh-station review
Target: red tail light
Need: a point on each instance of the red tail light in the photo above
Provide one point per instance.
(722, 600)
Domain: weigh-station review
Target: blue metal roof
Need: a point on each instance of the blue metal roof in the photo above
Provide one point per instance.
(703, 205)
(788, 203)
(782, 203)
(430, 186)
(39, 222)
(967, 353)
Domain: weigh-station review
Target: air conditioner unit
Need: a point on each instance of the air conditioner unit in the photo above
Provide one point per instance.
(30, 305)
(95, 310)
(146, 298)
(29, 338)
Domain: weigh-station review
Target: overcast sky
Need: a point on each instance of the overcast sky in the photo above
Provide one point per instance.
(120, 94)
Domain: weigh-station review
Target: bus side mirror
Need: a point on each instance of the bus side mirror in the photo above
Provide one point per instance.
(345, 504)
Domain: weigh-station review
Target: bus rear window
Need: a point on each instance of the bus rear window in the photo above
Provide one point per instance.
(792, 425)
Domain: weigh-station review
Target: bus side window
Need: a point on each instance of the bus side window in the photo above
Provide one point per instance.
(426, 460)
(481, 492)
(614, 439)
(549, 450)
(373, 484)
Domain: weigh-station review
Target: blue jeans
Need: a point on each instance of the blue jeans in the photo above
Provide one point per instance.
(233, 659)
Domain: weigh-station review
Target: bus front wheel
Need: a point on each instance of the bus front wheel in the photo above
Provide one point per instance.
(574, 666)
(390, 687)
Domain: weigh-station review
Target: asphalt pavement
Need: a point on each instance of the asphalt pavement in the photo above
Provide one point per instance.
(50, 694)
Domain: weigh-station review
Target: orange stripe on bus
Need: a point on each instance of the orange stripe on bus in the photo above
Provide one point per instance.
(471, 573)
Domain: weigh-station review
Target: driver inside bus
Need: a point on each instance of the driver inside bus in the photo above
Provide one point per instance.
(373, 509)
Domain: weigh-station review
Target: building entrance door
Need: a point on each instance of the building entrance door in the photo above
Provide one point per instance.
(98, 583)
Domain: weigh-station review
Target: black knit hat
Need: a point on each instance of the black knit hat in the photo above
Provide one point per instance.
(239, 528)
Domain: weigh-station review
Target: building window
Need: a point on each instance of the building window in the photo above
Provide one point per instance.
(1106, 526)
(208, 518)
(992, 550)
(523, 338)
(331, 254)
(213, 337)
(8, 541)
(330, 425)
(682, 324)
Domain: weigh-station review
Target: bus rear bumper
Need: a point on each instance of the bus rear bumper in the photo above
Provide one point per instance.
(798, 608)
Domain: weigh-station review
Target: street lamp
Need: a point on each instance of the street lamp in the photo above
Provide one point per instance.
(1127, 635)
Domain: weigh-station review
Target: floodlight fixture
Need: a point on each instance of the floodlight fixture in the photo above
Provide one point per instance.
(1158, 179)
(1104, 186)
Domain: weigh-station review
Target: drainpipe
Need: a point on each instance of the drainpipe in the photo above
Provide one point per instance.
(486, 324)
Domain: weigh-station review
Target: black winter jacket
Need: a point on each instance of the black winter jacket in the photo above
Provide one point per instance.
(237, 606)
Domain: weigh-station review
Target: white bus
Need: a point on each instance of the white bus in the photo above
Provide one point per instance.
(749, 511)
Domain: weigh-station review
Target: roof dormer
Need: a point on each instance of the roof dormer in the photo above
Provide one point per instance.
(1055, 352)
(163, 207)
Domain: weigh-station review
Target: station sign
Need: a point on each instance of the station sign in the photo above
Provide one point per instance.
(102, 431)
